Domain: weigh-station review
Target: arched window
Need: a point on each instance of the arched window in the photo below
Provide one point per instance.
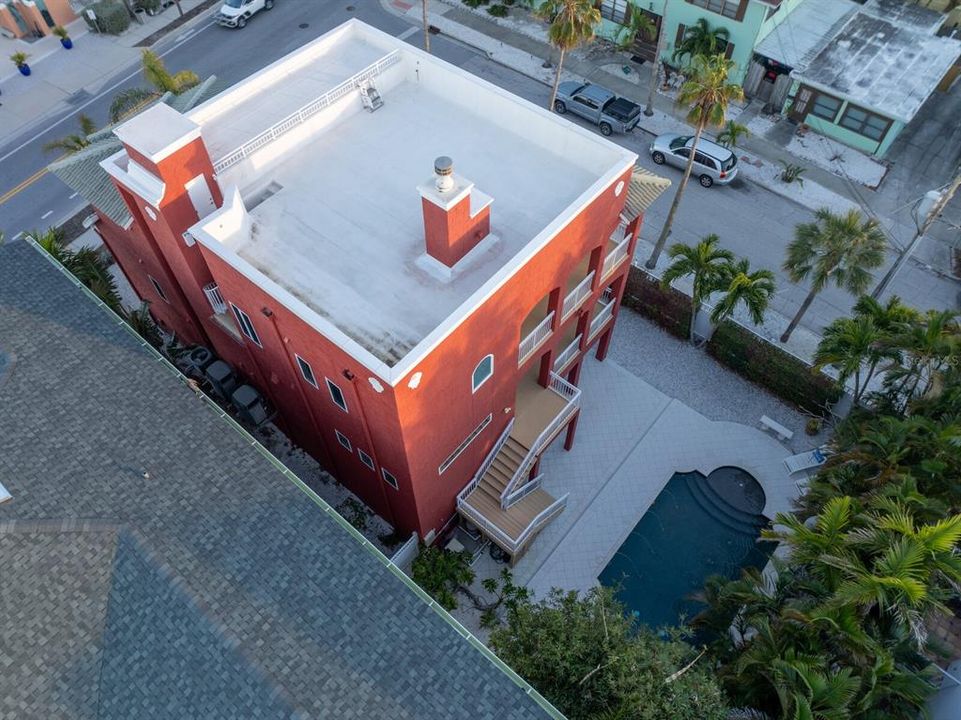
(484, 369)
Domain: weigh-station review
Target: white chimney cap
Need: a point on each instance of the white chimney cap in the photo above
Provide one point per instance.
(444, 170)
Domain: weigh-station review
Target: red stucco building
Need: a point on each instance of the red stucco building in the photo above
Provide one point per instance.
(408, 262)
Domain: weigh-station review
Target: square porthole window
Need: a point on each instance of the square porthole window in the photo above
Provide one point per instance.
(390, 479)
(365, 458)
(342, 439)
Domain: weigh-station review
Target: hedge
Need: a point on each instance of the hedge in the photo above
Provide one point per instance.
(112, 17)
(669, 308)
(785, 376)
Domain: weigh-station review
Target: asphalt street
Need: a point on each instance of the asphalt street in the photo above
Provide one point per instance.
(750, 220)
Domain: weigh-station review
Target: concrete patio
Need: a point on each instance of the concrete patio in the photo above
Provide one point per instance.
(631, 439)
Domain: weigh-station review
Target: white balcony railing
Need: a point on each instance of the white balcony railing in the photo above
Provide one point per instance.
(351, 84)
(535, 338)
(567, 354)
(605, 314)
(576, 296)
(216, 300)
(616, 256)
(570, 393)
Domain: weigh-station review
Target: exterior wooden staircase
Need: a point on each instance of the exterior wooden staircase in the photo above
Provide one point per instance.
(513, 527)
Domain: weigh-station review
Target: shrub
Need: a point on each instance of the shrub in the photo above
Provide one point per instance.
(112, 17)
(669, 308)
(152, 7)
(780, 373)
(498, 10)
(475, 3)
(440, 573)
(792, 173)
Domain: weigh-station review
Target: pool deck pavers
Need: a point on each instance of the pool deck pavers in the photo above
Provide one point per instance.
(631, 439)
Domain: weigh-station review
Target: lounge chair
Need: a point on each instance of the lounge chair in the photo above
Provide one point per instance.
(806, 460)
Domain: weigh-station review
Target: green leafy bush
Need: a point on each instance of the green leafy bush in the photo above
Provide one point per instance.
(475, 3)
(669, 308)
(773, 369)
(440, 573)
(498, 10)
(112, 17)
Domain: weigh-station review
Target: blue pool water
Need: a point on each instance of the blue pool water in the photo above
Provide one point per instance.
(697, 527)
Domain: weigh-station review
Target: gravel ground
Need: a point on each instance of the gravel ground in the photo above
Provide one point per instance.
(691, 376)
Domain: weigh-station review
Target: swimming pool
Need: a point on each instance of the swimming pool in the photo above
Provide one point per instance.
(697, 527)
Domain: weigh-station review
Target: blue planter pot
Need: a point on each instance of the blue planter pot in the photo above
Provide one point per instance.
(24, 69)
(66, 42)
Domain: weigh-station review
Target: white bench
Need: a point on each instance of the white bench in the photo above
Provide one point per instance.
(777, 428)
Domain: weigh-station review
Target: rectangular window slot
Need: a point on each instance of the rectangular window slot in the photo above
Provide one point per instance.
(365, 458)
(463, 446)
(246, 327)
(306, 370)
(336, 395)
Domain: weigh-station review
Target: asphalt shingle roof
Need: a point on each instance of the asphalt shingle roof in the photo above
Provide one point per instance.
(156, 564)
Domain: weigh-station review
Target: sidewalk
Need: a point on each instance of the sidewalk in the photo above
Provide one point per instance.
(63, 79)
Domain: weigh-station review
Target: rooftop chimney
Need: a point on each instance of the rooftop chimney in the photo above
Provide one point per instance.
(456, 214)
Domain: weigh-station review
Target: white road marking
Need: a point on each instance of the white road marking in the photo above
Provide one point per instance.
(18, 235)
(73, 196)
(46, 215)
(408, 32)
(97, 97)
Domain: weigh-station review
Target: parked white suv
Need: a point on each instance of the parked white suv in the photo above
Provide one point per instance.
(235, 13)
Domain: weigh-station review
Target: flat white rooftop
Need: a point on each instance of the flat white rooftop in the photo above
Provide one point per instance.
(330, 221)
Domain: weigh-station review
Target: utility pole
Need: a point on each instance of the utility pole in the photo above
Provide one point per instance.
(426, 25)
(659, 46)
(935, 200)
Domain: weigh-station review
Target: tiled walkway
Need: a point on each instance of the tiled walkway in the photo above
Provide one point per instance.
(631, 439)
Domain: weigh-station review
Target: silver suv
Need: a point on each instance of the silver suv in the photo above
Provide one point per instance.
(713, 163)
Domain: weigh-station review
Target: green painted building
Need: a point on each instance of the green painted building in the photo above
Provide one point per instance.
(747, 22)
(857, 72)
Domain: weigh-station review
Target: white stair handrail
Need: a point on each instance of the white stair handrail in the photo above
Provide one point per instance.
(524, 490)
(572, 394)
(475, 481)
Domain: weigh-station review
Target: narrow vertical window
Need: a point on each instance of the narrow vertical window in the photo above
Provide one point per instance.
(336, 395)
(306, 370)
(246, 327)
(160, 290)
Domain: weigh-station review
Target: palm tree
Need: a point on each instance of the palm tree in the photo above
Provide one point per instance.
(707, 93)
(706, 262)
(637, 24)
(838, 249)
(572, 23)
(929, 347)
(700, 39)
(847, 344)
(731, 133)
(75, 141)
(161, 80)
(742, 286)
(86, 264)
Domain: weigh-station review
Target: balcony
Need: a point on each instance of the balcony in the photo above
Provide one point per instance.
(535, 330)
(579, 289)
(572, 343)
(617, 250)
(216, 300)
(603, 312)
